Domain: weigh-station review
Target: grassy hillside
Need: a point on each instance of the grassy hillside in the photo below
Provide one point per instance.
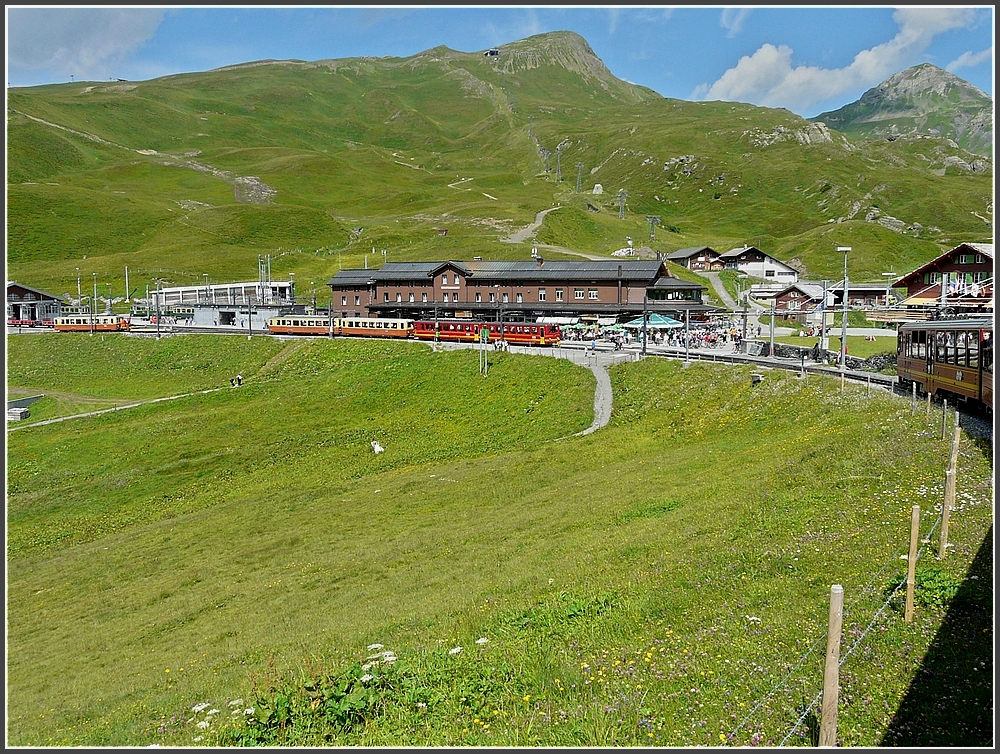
(655, 582)
(366, 153)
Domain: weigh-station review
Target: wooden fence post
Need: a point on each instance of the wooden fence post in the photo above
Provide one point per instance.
(949, 500)
(831, 672)
(913, 398)
(928, 406)
(956, 440)
(944, 418)
(911, 565)
(868, 392)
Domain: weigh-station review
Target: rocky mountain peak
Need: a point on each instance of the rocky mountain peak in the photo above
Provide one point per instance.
(923, 101)
(920, 80)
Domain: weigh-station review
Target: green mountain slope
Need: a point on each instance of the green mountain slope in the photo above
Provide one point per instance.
(325, 164)
(924, 100)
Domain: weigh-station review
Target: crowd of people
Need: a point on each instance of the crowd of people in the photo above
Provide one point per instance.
(722, 335)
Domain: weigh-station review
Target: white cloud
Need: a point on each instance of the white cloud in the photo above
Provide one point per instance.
(613, 20)
(768, 78)
(522, 27)
(969, 60)
(732, 20)
(85, 42)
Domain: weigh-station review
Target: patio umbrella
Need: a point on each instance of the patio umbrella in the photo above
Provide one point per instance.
(654, 321)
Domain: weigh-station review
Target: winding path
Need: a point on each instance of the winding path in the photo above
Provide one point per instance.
(526, 232)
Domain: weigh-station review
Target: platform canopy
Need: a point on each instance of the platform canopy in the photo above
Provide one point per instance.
(654, 321)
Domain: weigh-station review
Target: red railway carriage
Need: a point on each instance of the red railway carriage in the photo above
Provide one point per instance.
(86, 323)
(949, 357)
(524, 333)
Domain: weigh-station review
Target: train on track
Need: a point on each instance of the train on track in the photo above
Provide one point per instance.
(97, 323)
(467, 331)
(950, 358)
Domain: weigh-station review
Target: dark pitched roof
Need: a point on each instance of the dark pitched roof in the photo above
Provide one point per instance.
(352, 277)
(688, 253)
(593, 269)
(675, 284)
(643, 271)
(734, 253)
(986, 249)
(32, 290)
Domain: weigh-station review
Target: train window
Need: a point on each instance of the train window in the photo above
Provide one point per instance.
(941, 351)
(961, 352)
(973, 348)
(986, 351)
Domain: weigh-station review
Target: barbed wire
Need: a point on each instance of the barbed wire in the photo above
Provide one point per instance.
(864, 633)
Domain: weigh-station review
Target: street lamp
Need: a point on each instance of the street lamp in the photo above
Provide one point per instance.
(93, 304)
(158, 317)
(843, 323)
(746, 303)
(79, 293)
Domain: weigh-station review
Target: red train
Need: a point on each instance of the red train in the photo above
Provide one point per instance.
(518, 333)
(469, 331)
(952, 358)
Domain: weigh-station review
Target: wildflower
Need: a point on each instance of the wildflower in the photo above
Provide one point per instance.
(236, 703)
(249, 711)
(374, 646)
(204, 724)
(212, 711)
(199, 707)
(366, 677)
(454, 650)
(482, 640)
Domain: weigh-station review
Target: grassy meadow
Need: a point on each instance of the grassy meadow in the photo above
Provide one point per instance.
(239, 568)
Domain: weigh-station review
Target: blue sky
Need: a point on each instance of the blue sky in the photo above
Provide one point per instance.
(807, 59)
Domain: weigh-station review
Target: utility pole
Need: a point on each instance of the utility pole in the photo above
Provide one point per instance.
(579, 175)
(79, 293)
(822, 324)
(746, 297)
(653, 221)
(771, 351)
(558, 163)
(687, 336)
(545, 155)
(93, 305)
(644, 318)
(843, 324)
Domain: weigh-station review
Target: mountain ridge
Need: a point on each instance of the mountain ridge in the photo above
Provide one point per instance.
(363, 153)
(922, 99)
